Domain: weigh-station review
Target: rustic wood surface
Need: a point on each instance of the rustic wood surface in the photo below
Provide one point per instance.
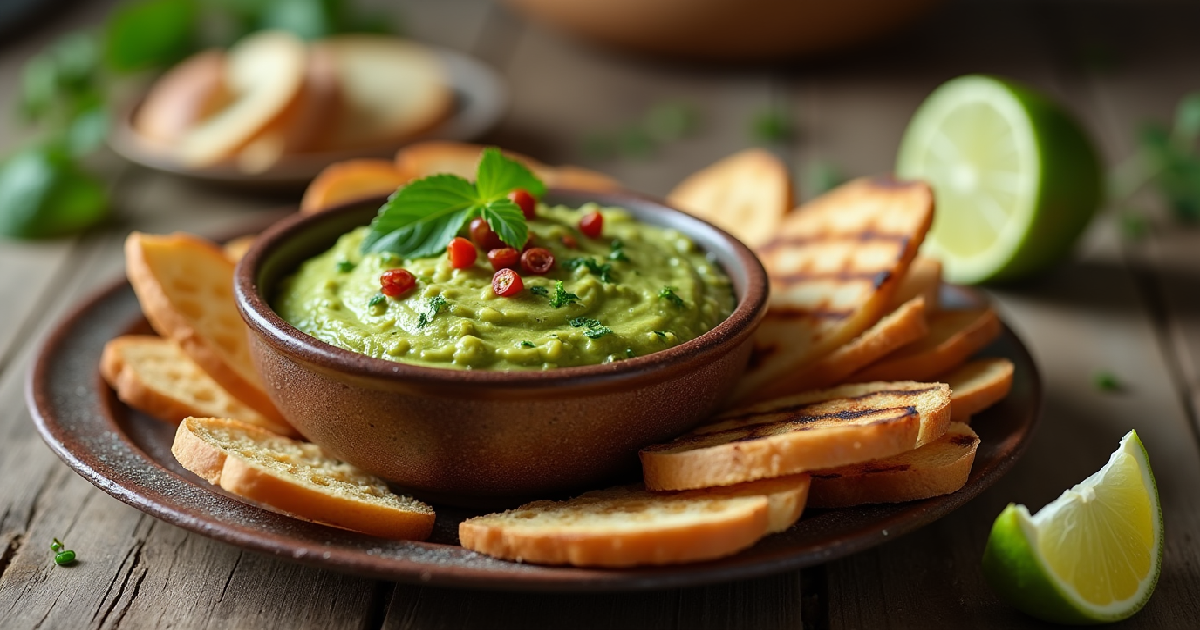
(1129, 308)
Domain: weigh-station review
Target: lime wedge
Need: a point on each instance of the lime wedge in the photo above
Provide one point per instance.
(1092, 555)
(1015, 178)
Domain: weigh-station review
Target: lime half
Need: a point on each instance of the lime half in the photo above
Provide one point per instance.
(1092, 555)
(1015, 178)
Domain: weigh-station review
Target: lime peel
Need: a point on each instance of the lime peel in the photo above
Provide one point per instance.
(1021, 554)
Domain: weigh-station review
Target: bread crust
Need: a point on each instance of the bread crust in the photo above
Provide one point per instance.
(938, 468)
(738, 526)
(954, 336)
(243, 478)
(978, 385)
(747, 194)
(349, 180)
(811, 431)
(236, 375)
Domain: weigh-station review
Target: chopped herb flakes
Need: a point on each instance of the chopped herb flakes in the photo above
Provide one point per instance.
(662, 334)
(1106, 381)
(562, 297)
(345, 266)
(592, 327)
(527, 344)
(668, 293)
(377, 304)
(604, 272)
(629, 354)
(542, 291)
(435, 306)
(618, 251)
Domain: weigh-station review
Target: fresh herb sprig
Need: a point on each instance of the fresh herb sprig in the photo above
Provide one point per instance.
(602, 271)
(435, 306)
(562, 297)
(1167, 162)
(617, 251)
(668, 294)
(422, 217)
(592, 328)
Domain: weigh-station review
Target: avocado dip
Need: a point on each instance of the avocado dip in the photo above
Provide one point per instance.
(634, 290)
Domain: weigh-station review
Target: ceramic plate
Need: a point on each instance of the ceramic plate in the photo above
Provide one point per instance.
(128, 455)
(480, 99)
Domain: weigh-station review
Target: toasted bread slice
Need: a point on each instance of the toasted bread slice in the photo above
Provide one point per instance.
(938, 468)
(834, 266)
(924, 278)
(903, 326)
(391, 91)
(265, 73)
(304, 125)
(455, 158)
(746, 194)
(811, 431)
(978, 385)
(578, 178)
(185, 286)
(153, 375)
(348, 181)
(620, 527)
(187, 94)
(297, 478)
(238, 247)
(954, 336)
(786, 497)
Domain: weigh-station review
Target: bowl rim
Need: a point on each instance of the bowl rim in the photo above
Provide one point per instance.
(748, 312)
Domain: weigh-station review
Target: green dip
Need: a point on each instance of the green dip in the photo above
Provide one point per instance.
(662, 292)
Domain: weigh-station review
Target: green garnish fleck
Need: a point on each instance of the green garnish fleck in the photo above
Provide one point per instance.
(772, 126)
(345, 266)
(1106, 381)
(422, 217)
(1134, 226)
(604, 272)
(377, 304)
(668, 293)
(528, 344)
(562, 297)
(435, 306)
(618, 251)
(662, 334)
(629, 353)
(56, 545)
(542, 291)
(592, 327)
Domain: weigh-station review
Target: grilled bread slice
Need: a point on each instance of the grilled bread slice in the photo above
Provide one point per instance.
(236, 248)
(391, 91)
(347, 181)
(455, 158)
(629, 526)
(811, 431)
(954, 336)
(746, 194)
(579, 178)
(187, 94)
(153, 375)
(938, 468)
(834, 266)
(902, 326)
(978, 385)
(297, 478)
(185, 286)
(924, 278)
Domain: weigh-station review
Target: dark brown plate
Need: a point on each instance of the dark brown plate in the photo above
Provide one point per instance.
(127, 454)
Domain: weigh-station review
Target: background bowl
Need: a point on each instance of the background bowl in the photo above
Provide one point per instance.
(736, 30)
(490, 437)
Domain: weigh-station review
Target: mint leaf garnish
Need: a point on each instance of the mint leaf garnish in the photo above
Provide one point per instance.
(422, 217)
(562, 297)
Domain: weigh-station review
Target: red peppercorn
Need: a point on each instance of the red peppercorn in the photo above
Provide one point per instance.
(537, 261)
(506, 283)
(592, 224)
(503, 258)
(461, 252)
(527, 203)
(483, 236)
(570, 242)
(396, 282)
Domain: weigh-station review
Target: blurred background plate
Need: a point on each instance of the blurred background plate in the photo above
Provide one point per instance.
(480, 100)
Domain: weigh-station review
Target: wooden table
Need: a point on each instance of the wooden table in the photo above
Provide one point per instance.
(1132, 308)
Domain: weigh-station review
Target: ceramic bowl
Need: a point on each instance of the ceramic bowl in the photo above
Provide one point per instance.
(480, 437)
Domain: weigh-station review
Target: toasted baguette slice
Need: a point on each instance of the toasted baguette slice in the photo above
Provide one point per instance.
(187, 94)
(901, 327)
(153, 375)
(978, 385)
(812, 431)
(938, 468)
(185, 287)
(924, 278)
(620, 527)
(392, 90)
(786, 497)
(455, 158)
(579, 178)
(238, 247)
(954, 336)
(833, 267)
(265, 73)
(297, 478)
(746, 194)
(347, 181)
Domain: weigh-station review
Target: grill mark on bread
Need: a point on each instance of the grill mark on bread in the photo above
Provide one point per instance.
(876, 278)
(758, 430)
(862, 236)
(801, 406)
(797, 312)
(964, 440)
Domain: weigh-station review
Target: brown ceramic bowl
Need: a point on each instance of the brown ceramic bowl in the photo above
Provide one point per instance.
(487, 437)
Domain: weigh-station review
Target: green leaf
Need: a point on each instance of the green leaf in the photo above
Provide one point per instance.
(87, 131)
(419, 219)
(562, 297)
(772, 126)
(77, 57)
(498, 175)
(668, 294)
(44, 195)
(150, 34)
(434, 307)
(1187, 120)
(507, 221)
(604, 272)
(39, 87)
(306, 19)
(593, 329)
